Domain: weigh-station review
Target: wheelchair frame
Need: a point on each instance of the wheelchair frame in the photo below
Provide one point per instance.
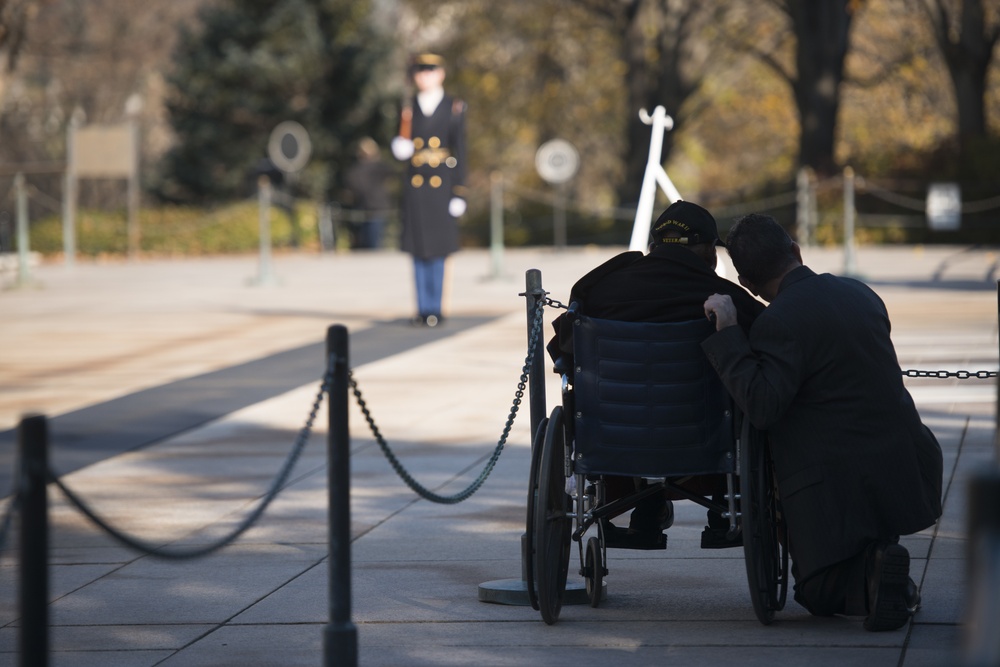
(565, 502)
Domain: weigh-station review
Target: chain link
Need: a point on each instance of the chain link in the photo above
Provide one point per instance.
(186, 554)
(961, 375)
(423, 491)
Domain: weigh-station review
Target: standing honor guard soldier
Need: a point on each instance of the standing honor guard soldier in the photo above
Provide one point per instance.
(432, 137)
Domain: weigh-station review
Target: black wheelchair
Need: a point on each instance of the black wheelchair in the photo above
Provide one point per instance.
(642, 401)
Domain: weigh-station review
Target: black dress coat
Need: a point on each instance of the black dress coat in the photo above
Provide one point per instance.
(435, 175)
(853, 461)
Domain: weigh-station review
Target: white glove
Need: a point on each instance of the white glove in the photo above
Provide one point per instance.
(402, 149)
(456, 207)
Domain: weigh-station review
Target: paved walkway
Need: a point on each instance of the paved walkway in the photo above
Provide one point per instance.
(101, 341)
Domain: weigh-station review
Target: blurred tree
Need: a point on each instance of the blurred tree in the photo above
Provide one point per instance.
(90, 55)
(549, 69)
(821, 31)
(665, 53)
(14, 18)
(530, 72)
(255, 63)
(580, 69)
(966, 34)
(896, 105)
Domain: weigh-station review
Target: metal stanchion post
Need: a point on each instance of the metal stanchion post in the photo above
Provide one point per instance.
(340, 636)
(981, 631)
(496, 224)
(70, 189)
(533, 294)
(23, 243)
(34, 549)
(559, 218)
(265, 276)
(515, 591)
(850, 265)
(804, 223)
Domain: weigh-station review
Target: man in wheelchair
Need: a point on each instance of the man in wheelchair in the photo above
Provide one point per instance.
(668, 284)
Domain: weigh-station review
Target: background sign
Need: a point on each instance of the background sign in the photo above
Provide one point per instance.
(104, 151)
(557, 161)
(289, 147)
(944, 206)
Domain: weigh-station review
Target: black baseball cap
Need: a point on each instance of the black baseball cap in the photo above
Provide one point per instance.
(695, 225)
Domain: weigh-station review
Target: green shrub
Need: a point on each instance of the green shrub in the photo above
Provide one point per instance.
(176, 230)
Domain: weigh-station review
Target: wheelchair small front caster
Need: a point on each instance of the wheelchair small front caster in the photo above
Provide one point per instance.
(594, 571)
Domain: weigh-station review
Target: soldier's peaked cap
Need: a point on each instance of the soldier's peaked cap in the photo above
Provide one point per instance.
(427, 61)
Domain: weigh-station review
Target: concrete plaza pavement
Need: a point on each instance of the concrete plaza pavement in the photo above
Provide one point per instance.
(80, 340)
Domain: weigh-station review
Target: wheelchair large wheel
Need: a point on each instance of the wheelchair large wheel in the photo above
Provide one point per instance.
(552, 523)
(763, 549)
(529, 526)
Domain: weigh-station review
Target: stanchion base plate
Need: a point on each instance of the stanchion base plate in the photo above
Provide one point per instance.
(515, 592)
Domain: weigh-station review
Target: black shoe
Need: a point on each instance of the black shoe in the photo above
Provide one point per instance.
(718, 538)
(888, 584)
(912, 597)
(628, 538)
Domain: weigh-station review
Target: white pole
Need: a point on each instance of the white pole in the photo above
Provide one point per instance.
(660, 122)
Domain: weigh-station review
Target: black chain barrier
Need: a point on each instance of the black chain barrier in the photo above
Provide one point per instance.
(416, 486)
(303, 437)
(160, 551)
(961, 375)
(197, 552)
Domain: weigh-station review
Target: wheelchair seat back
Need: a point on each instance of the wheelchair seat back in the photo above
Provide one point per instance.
(646, 402)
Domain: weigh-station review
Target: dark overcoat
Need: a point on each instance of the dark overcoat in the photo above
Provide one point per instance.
(435, 174)
(670, 284)
(853, 461)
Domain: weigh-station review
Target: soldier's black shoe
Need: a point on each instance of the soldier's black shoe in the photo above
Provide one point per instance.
(888, 588)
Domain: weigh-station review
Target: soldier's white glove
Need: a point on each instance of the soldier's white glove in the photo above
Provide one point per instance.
(456, 207)
(402, 148)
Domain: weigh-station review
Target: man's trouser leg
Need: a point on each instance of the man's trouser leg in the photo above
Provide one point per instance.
(837, 589)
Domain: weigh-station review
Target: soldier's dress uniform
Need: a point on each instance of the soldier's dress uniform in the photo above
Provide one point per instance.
(434, 177)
